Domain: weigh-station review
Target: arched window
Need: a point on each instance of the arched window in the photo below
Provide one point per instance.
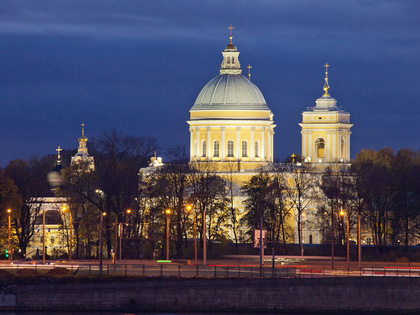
(216, 148)
(233, 60)
(320, 148)
(230, 148)
(343, 148)
(244, 149)
(204, 149)
(228, 59)
(256, 149)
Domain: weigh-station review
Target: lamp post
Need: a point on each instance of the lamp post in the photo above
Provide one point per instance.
(65, 208)
(347, 235)
(189, 208)
(102, 195)
(9, 212)
(204, 238)
(100, 242)
(168, 213)
(332, 237)
(43, 237)
(118, 232)
(359, 240)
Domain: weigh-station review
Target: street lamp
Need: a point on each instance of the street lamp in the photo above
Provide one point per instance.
(43, 236)
(100, 242)
(9, 212)
(189, 209)
(347, 233)
(64, 208)
(118, 233)
(204, 238)
(168, 213)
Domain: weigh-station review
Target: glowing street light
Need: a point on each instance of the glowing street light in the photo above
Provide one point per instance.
(189, 209)
(118, 233)
(100, 243)
(168, 213)
(64, 208)
(9, 212)
(342, 214)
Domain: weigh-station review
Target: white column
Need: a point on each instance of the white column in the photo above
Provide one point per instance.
(334, 147)
(191, 144)
(311, 147)
(208, 144)
(304, 143)
(238, 140)
(272, 146)
(197, 143)
(262, 144)
(328, 146)
(252, 144)
(223, 143)
(348, 146)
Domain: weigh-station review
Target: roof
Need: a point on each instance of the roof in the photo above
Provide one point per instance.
(230, 92)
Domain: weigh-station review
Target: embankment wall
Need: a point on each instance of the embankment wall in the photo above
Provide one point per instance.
(251, 295)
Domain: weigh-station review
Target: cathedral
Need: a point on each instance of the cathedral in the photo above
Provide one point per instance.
(232, 128)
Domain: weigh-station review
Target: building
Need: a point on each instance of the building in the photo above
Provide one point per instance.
(230, 120)
(326, 131)
(57, 220)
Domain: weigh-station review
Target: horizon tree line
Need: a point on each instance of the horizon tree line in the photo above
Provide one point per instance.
(381, 188)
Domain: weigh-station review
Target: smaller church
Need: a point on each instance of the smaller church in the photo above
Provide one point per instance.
(52, 226)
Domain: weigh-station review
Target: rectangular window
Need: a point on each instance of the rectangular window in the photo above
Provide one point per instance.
(244, 149)
(230, 148)
(216, 149)
(204, 149)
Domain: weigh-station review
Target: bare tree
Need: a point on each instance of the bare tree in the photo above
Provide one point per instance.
(30, 177)
(303, 194)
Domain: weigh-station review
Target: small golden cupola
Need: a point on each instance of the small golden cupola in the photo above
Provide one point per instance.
(82, 152)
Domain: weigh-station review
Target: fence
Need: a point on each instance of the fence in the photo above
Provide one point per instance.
(204, 271)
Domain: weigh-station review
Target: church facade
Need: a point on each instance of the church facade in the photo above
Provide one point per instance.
(232, 128)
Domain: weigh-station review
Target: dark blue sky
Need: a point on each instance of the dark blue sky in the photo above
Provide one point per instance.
(137, 67)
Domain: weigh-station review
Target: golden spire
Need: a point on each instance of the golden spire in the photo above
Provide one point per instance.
(326, 85)
(249, 72)
(230, 37)
(83, 138)
(59, 155)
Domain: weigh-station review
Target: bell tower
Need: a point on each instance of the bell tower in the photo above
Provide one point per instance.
(326, 130)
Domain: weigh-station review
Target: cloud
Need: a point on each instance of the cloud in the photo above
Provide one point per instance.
(197, 19)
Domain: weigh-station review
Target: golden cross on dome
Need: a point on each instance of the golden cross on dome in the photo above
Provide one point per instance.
(230, 28)
(83, 129)
(249, 72)
(326, 68)
(293, 158)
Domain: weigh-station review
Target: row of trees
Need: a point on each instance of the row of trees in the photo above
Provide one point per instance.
(381, 188)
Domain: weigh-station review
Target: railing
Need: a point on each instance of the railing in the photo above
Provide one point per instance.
(204, 271)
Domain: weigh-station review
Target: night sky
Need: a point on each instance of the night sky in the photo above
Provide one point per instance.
(138, 66)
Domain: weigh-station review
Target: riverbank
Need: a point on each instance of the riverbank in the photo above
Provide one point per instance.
(357, 294)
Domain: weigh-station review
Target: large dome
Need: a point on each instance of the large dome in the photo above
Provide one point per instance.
(230, 92)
